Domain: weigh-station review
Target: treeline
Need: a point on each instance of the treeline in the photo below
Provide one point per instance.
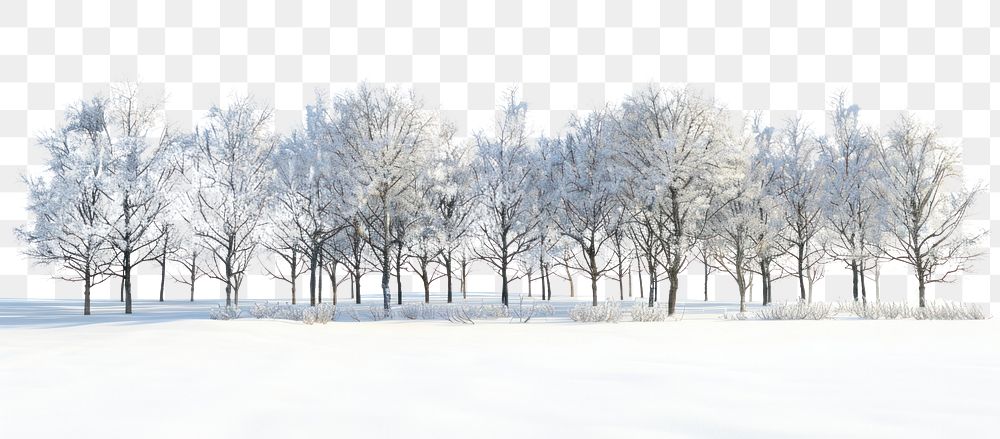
(375, 182)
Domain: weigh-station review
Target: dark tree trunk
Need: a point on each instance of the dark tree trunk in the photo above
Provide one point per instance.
(127, 280)
(319, 281)
(652, 284)
(447, 271)
(548, 282)
(121, 291)
(864, 292)
(801, 272)
(854, 277)
(399, 282)
(706, 282)
(163, 275)
(503, 279)
(86, 292)
(921, 287)
(313, 260)
(541, 269)
(194, 274)
(356, 283)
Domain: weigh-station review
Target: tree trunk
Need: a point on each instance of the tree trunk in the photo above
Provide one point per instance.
(121, 291)
(319, 282)
(503, 279)
(399, 282)
(427, 290)
(854, 278)
(86, 292)
(356, 283)
(864, 292)
(333, 281)
(921, 289)
(127, 280)
(706, 282)
(548, 282)
(541, 269)
(593, 287)
(621, 287)
(800, 269)
(386, 294)
(163, 275)
(652, 284)
(194, 274)
(312, 277)
(569, 278)
(447, 271)
(229, 284)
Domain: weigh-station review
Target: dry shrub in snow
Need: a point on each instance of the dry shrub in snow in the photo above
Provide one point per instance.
(933, 311)
(950, 311)
(262, 310)
(787, 311)
(224, 313)
(414, 311)
(322, 313)
(642, 313)
(525, 312)
(795, 311)
(877, 310)
(608, 311)
(378, 313)
(460, 313)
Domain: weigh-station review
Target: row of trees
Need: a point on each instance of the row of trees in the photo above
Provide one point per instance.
(374, 182)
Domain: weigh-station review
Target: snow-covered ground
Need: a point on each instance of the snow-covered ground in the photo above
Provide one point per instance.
(169, 372)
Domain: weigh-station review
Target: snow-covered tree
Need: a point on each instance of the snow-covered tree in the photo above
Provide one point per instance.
(737, 221)
(765, 198)
(800, 187)
(851, 201)
(504, 171)
(140, 181)
(230, 177)
(673, 140)
(453, 197)
(384, 136)
(68, 205)
(590, 212)
(927, 203)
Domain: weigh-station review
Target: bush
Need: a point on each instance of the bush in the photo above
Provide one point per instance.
(642, 313)
(951, 311)
(378, 313)
(523, 313)
(795, 311)
(786, 311)
(877, 310)
(322, 313)
(459, 313)
(224, 313)
(608, 311)
(933, 311)
(415, 311)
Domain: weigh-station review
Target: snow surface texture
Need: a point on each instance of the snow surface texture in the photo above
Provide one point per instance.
(932, 57)
(168, 371)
